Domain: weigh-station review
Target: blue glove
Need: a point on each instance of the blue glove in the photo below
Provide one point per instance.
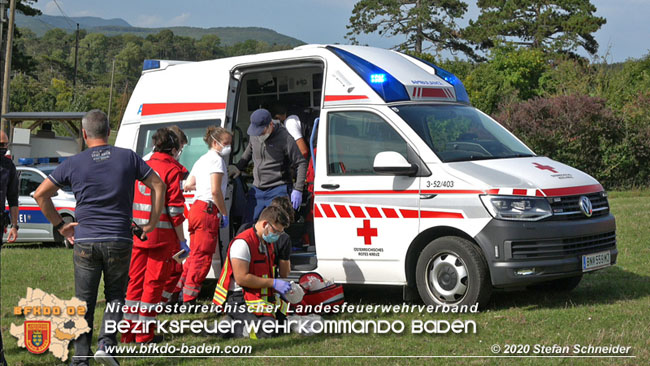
(281, 286)
(186, 248)
(296, 199)
(224, 221)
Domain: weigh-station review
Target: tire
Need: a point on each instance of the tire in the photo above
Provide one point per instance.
(559, 285)
(59, 238)
(462, 274)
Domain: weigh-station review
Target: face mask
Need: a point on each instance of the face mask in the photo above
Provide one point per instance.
(3, 151)
(271, 237)
(225, 149)
(178, 155)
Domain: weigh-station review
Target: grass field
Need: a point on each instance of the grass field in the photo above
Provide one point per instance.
(611, 306)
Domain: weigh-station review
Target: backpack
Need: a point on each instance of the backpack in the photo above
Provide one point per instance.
(317, 292)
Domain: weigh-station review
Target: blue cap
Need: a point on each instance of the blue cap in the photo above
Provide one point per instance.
(260, 119)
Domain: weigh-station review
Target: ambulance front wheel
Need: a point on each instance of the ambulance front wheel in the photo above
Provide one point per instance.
(452, 271)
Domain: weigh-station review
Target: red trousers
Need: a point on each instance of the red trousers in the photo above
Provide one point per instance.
(174, 276)
(148, 273)
(204, 236)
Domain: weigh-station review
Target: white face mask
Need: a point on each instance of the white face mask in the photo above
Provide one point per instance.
(225, 150)
(178, 155)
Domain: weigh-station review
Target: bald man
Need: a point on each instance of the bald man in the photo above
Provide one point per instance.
(8, 191)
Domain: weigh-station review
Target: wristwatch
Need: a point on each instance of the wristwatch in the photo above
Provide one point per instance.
(58, 226)
(15, 226)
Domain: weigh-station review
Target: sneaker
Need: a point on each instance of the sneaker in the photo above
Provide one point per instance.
(102, 356)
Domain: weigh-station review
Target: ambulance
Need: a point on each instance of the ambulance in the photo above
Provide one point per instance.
(413, 186)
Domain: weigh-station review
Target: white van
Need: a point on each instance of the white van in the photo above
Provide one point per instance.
(413, 186)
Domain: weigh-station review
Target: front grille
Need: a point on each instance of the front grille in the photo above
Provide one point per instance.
(568, 207)
(559, 248)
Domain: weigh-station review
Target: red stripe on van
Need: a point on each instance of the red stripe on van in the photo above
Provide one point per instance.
(390, 213)
(165, 108)
(570, 191)
(327, 210)
(357, 212)
(440, 215)
(409, 214)
(343, 212)
(317, 213)
(538, 193)
(439, 191)
(373, 212)
(433, 93)
(339, 98)
(519, 192)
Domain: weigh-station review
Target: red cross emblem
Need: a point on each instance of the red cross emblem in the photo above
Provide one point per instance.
(545, 167)
(367, 232)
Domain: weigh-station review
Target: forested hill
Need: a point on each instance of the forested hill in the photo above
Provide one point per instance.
(111, 27)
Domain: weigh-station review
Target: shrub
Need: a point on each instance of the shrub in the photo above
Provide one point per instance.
(582, 132)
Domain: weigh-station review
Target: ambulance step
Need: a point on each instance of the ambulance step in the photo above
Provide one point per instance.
(303, 261)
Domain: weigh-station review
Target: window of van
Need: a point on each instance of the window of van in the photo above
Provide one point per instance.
(461, 133)
(355, 138)
(194, 130)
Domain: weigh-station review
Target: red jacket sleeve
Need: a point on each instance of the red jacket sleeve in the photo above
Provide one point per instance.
(175, 200)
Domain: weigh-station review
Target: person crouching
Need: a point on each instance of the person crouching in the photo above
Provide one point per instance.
(246, 284)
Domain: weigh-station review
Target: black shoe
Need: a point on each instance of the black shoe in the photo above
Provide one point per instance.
(104, 357)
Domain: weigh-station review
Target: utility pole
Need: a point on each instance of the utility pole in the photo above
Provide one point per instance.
(110, 93)
(76, 53)
(7, 75)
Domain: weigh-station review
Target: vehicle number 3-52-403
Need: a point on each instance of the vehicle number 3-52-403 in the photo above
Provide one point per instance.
(439, 183)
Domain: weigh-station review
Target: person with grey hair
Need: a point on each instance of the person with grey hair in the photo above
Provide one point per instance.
(102, 178)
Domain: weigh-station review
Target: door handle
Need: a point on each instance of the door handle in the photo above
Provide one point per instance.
(427, 196)
(330, 186)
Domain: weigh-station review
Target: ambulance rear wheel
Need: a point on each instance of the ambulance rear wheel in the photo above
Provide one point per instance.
(452, 271)
(59, 238)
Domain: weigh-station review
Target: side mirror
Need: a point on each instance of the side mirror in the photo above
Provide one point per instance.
(393, 163)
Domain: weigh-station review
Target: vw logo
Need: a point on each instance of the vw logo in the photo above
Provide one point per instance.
(585, 206)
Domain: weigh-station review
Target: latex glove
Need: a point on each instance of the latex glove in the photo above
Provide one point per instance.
(296, 199)
(233, 171)
(281, 286)
(186, 248)
(224, 221)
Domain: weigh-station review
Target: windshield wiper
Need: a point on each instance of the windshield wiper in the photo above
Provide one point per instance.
(473, 158)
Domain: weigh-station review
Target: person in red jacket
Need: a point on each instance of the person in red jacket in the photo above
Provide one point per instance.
(151, 259)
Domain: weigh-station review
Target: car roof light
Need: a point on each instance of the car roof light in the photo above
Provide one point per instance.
(25, 161)
(389, 88)
(150, 65)
(461, 92)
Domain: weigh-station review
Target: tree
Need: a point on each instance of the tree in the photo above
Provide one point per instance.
(420, 21)
(549, 25)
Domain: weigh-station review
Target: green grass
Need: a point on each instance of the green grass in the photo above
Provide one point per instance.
(609, 307)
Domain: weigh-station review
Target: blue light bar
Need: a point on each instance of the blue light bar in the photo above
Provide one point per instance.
(150, 65)
(25, 161)
(461, 93)
(390, 89)
(378, 78)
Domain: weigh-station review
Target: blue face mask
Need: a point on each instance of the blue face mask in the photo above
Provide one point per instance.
(271, 237)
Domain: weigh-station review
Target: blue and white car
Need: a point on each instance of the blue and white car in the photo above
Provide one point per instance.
(34, 226)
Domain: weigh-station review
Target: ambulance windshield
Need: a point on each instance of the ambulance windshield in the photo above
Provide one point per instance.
(461, 133)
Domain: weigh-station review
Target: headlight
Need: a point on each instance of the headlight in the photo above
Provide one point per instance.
(517, 208)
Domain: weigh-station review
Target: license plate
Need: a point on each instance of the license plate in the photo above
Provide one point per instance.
(595, 261)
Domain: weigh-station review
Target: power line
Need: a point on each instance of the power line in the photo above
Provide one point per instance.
(71, 22)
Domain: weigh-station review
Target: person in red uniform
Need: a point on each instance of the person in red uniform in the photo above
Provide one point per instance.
(247, 281)
(151, 259)
(209, 177)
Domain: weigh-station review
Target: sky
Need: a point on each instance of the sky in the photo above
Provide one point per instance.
(625, 35)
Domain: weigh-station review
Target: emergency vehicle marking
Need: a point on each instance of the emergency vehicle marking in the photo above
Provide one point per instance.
(545, 167)
(432, 93)
(324, 210)
(442, 191)
(340, 98)
(572, 191)
(166, 108)
(517, 192)
(34, 215)
(367, 232)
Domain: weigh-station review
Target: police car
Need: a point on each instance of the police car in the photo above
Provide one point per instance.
(34, 226)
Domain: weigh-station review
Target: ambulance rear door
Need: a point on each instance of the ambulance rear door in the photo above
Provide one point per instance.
(364, 219)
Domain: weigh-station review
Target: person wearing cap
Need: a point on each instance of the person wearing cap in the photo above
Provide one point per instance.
(275, 157)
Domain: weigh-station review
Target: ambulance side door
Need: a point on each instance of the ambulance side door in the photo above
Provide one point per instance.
(364, 220)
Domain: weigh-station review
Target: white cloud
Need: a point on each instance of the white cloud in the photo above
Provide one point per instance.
(179, 20)
(148, 21)
(51, 9)
(84, 13)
